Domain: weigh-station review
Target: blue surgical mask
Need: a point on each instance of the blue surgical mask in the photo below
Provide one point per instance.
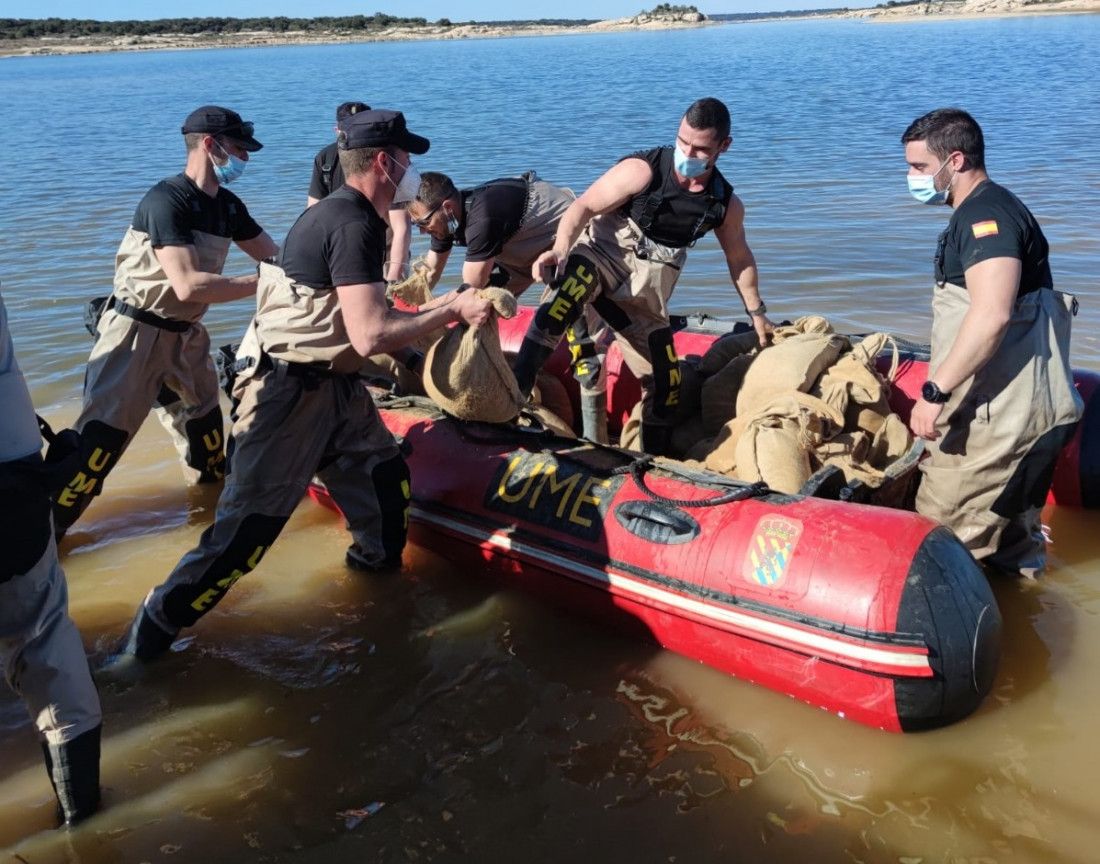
(687, 166)
(452, 224)
(231, 170)
(923, 187)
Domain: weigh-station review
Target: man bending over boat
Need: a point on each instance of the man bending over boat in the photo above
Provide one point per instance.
(41, 655)
(621, 246)
(301, 407)
(329, 176)
(504, 225)
(999, 403)
(151, 346)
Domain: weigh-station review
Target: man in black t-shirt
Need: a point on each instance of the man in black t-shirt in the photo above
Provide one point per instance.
(329, 176)
(999, 403)
(302, 409)
(507, 222)
(150, 345)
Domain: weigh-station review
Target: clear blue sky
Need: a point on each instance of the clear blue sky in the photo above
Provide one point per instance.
(471, 10)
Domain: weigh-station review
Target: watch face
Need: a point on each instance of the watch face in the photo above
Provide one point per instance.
(931, 393)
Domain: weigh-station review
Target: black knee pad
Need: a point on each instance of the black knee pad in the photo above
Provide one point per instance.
(25, 514)
(100, 447)
(392, 486)
(206, 445)
(572, 290)
(185, 604)
(666, 373)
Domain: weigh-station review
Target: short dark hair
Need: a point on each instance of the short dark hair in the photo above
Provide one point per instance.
(709, 113)
(358, 161)
(193, 140)
(946, 130)
(346, 109)
(435, 188)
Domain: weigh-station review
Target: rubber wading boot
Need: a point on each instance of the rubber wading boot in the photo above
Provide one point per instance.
(532, 357)
(145, 639)
(356, 560)
(594, 417)
(74, 773)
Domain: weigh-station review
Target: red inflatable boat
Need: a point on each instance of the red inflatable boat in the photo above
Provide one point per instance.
(876, 614)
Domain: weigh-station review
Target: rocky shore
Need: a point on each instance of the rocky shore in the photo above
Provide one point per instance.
(260, 38)
(972, 9)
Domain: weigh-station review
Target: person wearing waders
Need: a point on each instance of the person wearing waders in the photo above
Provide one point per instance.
(621, 246)
(328, 176)
(151, 346)
(999, 403)
(40, 650)
(302, 409)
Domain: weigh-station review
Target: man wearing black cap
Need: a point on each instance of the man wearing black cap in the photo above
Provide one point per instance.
(150, 346)
(328, 175)
(303, 411)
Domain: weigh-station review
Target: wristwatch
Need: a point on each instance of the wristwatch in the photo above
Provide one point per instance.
(759, 310)
(931, 392)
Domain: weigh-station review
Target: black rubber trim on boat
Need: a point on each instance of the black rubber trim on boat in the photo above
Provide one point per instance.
(947, 599)
(656, 522)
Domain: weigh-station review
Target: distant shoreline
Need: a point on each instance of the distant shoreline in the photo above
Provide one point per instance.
(47, 46)
(930, 10)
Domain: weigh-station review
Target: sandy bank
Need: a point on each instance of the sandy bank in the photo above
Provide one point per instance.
(974, 9)
(260, 38)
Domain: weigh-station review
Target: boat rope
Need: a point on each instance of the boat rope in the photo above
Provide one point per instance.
(637, 470)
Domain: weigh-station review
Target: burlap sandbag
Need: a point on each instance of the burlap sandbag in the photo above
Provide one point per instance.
(552, 421)
(465, 372)
(416, 290)
(721, 451)
(385, 367)
(890, 443)
(806, 325)
(719, 393)
(631, 436)
(793, 364)
(776, 442)
(854, 385)
(550, 393)
(725, 348)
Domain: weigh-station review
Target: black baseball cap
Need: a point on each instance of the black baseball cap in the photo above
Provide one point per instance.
(345, 109)
(380, 128)
(215, 120)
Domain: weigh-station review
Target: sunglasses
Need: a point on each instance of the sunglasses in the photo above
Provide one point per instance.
(423, 221)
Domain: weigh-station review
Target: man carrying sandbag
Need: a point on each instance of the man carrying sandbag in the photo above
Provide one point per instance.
(999, 403)
(303, 411)
(621, 246)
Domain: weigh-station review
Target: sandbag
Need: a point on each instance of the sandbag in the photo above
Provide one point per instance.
(725, 348)
(385, 367)
(806, 325)
(854, 386)
(793, 364)
(721, 452)
(465, 372)
(416, 290)
(552, 421)
(631, 436)
(719, 393)
(550, 393)
(890, 443)
(776, 443)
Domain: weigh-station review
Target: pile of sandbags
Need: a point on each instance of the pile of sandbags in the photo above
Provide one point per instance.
(809, 399)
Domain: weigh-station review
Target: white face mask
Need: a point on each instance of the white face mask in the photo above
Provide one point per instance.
(409, 186)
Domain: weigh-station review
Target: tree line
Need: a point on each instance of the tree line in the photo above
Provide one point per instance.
(35, 28)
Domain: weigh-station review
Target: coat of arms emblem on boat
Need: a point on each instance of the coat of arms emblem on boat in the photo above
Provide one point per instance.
(770, 550)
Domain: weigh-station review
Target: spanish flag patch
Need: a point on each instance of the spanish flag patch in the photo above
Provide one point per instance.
(985, 229)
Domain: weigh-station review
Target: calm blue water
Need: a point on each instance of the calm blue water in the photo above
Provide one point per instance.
(488, 727)
(818, 109)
